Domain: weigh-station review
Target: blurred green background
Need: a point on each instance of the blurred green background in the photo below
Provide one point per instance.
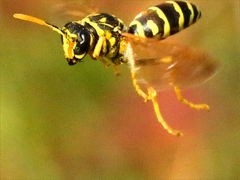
(82, 122)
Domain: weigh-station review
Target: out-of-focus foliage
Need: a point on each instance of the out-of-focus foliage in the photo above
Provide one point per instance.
(82, 122)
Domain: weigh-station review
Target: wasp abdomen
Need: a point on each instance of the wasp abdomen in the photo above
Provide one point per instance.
(165, 19)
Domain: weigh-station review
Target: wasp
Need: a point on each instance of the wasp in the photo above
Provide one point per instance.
(154, 65)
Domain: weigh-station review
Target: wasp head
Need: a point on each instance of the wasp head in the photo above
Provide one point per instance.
(75, 37)
(76, 42)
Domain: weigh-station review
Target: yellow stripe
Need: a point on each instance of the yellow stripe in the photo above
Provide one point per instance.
(179, 10)
(164, 18)
(139, 15)
(139, 29)
(120, 20)
(153, 27)
(103, 20)
(69, 44)
(91, 40)
(192, 13)
(99, 31)
(80, 56)
(65, 47)
(112, 41)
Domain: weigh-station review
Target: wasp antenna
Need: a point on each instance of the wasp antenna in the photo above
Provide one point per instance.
(32, 19)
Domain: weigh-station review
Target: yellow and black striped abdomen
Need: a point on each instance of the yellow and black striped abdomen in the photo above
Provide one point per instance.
(165, 19)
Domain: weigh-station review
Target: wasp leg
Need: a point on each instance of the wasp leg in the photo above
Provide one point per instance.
(137, 87)
(116, 70)
(186, 102)
(98, 47)
(104, 61)
(153, 96)
(130, 58)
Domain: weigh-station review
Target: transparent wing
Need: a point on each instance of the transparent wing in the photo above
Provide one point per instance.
(158, 64)
(75, 9)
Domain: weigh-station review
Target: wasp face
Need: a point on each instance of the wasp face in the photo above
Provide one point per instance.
(76, 42)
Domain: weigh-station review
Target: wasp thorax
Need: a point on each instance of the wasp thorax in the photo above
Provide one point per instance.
(76, 42)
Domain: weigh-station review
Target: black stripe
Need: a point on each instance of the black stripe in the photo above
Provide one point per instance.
(93, 32)
(147, 30)
(121, 26)
(200, 14)
(186, 12)
(195, 13)
(133, 29)
(152, 15)
(109, 19)
(149, 15)
(108, 47)
(172, 16)
(105, 26)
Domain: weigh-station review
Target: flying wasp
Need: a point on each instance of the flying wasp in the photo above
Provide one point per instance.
(154, 65)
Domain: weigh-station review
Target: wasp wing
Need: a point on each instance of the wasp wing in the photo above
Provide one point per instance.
(76, 9)
(159, 64)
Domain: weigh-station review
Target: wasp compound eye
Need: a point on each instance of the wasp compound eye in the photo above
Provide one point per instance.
(80, 36)
(83, 43)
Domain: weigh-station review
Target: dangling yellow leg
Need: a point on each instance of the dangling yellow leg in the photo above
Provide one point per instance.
(153, 96)
(186, 102)
(137, 87)
(130, 56)
(98, 47)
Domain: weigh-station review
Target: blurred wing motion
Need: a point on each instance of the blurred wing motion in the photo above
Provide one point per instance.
(77, 9)
(157, 64)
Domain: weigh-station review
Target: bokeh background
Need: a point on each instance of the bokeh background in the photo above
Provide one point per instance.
(82, 122)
